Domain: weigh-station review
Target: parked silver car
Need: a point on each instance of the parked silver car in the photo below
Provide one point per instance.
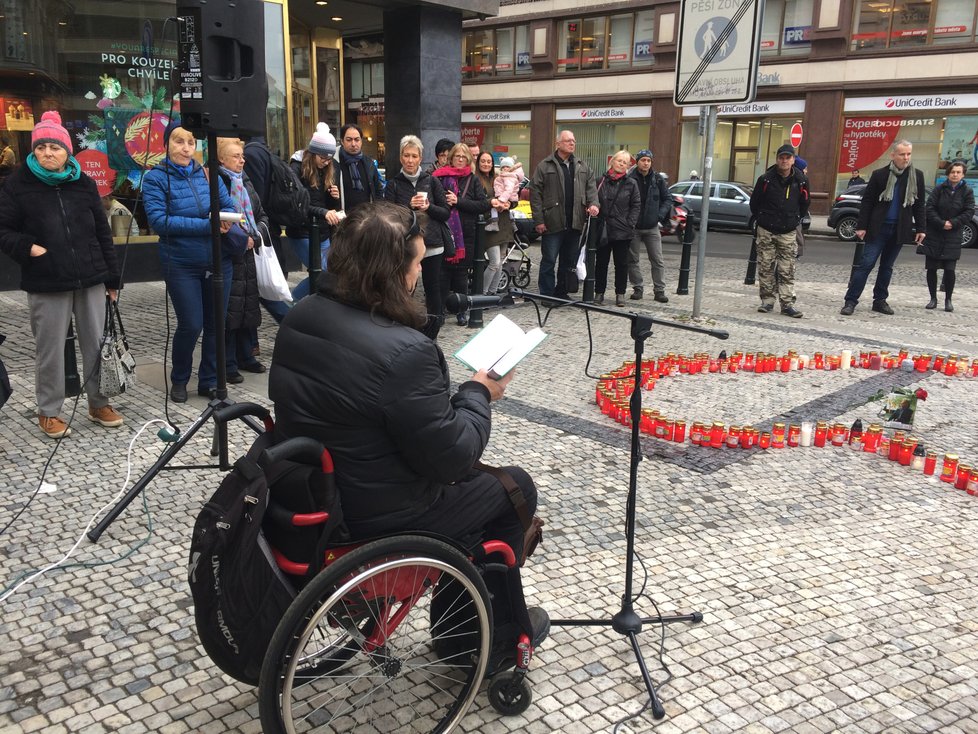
(729, 202)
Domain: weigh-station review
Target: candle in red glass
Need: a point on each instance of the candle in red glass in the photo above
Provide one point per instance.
(732, 366)
(716, 435)
(765, 442)
(746, 437)
(951, 368)
(819, 361)
(821, 432)
(785, 364)
(778, 435)
(973, 483)
(950, 468)
(974, 368)
(772, 362)
(895, 445)
(874, 361)
(733, 437)
(906, 452)
(930, 463)
(679, 431)
(838, 434)
(962, 476)
(938, 363)
(921, 363)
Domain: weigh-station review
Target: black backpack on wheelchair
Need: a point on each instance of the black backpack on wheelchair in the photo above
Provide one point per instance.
(239, 592)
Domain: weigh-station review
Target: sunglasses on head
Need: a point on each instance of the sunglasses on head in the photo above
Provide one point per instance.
(415, 229)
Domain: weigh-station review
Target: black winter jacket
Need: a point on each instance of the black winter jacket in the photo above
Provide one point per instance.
(872, 211)
(400, 190)
(376, 394)
(320, 202)
(69, 220)
(621, 204)
(658, 202)
(779, 204)
(945, 204)
(244, 308)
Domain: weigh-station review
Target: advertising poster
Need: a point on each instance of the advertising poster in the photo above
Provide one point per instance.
(961, 140)
(17, 114)
(865, 141)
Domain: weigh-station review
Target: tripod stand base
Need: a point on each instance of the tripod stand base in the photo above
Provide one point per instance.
(626, 622)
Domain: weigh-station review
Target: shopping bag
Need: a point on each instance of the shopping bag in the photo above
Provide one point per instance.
(117, 370)
(272, 285)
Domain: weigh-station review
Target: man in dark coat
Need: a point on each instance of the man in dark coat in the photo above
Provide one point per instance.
(892, 213)
(359, 180)
(856, 179)
(656, 207)
(258, 168)
(779, 202)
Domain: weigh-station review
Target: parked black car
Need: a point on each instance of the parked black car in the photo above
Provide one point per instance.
(845, 215)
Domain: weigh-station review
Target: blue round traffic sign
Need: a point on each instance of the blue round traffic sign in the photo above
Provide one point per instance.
(708, 35)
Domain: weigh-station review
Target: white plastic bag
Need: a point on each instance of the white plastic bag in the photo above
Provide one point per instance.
(272, 285)
(582, 255)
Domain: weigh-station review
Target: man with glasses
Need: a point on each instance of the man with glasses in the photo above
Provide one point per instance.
(562, 192)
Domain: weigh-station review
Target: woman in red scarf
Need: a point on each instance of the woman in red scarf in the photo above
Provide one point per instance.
(621, 203)
(467, 200)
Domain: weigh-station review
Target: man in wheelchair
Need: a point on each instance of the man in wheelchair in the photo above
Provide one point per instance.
(352, 370)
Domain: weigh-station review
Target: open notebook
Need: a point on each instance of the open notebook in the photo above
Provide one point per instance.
(499, 347)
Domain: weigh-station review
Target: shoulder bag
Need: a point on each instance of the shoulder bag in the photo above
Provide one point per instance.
(117, 371)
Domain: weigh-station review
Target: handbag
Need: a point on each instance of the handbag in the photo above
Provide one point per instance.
(532, 524)
(272, 285)
(117, 371)
(447, 238)
(236, 240)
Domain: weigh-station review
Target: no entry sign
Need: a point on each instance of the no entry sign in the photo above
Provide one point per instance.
(796, 132)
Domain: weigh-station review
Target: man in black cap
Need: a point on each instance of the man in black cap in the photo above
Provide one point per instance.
(779, 202)
(656, 206)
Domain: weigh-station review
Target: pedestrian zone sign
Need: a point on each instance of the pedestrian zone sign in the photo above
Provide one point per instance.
(719, 48)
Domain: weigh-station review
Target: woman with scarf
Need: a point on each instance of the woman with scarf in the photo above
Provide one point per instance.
(53, 224)
(244, 311)
(176, 197)
(949, 207)
(621, 203)
(316, 170)
(420, 191)
(466, 201)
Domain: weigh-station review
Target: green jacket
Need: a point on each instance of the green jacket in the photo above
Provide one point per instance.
(547, 194)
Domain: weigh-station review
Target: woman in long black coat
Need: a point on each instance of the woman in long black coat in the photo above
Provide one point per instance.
(621, 203)
(950, 206)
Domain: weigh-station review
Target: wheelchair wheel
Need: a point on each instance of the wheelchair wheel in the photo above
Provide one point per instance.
(509, 693)
(355, 650)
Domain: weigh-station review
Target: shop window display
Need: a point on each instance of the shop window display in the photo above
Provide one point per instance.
(883, 24)
(495, 52)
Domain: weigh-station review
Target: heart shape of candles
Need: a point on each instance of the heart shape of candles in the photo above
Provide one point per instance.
(615, 388)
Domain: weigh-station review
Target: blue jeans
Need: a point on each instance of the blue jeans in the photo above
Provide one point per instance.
(189, 287)
(885, 247)
(554, 245)
(277, 309)
(301, 249)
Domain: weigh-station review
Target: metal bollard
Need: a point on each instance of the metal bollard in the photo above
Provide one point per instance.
(689, 234)
(751, 277)
(478, 270)
(315, 253)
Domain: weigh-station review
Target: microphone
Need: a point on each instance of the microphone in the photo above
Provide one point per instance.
(460, 302)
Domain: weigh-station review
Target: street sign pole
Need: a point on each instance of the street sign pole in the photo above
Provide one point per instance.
(711, 128)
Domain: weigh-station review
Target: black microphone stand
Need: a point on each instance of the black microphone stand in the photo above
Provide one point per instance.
(626, 621)
(219, 408)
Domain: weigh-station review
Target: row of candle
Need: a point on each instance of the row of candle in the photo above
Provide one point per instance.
(761, 362)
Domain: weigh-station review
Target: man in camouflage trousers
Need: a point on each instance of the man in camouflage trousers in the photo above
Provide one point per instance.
(779, 202)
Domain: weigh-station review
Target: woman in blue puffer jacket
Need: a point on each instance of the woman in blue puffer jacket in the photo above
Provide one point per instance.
(176, 196)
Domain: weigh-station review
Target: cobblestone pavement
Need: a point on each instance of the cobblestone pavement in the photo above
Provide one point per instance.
(838, 589)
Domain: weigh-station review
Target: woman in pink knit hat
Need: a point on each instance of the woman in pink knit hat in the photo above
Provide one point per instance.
(53, 224)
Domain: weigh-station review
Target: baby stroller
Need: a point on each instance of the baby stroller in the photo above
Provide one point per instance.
(516, 266)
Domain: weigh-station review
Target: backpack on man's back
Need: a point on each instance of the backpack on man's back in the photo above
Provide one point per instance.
(288, 199)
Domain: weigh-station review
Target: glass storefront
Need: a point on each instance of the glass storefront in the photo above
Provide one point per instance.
(109, 68)
(502, 133)
(745, 144)
(607, 130)
(939, 135)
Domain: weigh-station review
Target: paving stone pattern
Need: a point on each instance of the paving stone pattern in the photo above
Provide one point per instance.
(837, 588)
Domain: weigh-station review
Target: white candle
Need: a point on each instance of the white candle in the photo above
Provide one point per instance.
(846, 358)
(806, 433)
(803, 361)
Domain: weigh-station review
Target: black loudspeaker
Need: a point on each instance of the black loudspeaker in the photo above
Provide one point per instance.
(221, 66)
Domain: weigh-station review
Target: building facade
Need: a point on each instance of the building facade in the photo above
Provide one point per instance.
(856, 75)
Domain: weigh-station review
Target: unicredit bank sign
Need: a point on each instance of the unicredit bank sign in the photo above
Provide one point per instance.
(902, 103)
(603, 114)
(481, 118)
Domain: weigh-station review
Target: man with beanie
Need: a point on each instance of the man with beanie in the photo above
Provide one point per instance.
(779, 202)
(892, 213)
(53, 224)
(359, 180)
(656, 206)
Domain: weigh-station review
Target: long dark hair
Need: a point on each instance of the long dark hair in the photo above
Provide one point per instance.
(312, 175)
(370, 254)
(484, 178)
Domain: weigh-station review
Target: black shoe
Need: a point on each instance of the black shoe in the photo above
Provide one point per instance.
(637, 295)
(848, 308)
(235, 378)
(503, 653)
(178, 392)
(791, 311)
(931, 304)
(253, 367)
(461, 319)
(765, 308)
(598, 298)
(947, 305)
(882, 307)
(207, 392)
(661, 298)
